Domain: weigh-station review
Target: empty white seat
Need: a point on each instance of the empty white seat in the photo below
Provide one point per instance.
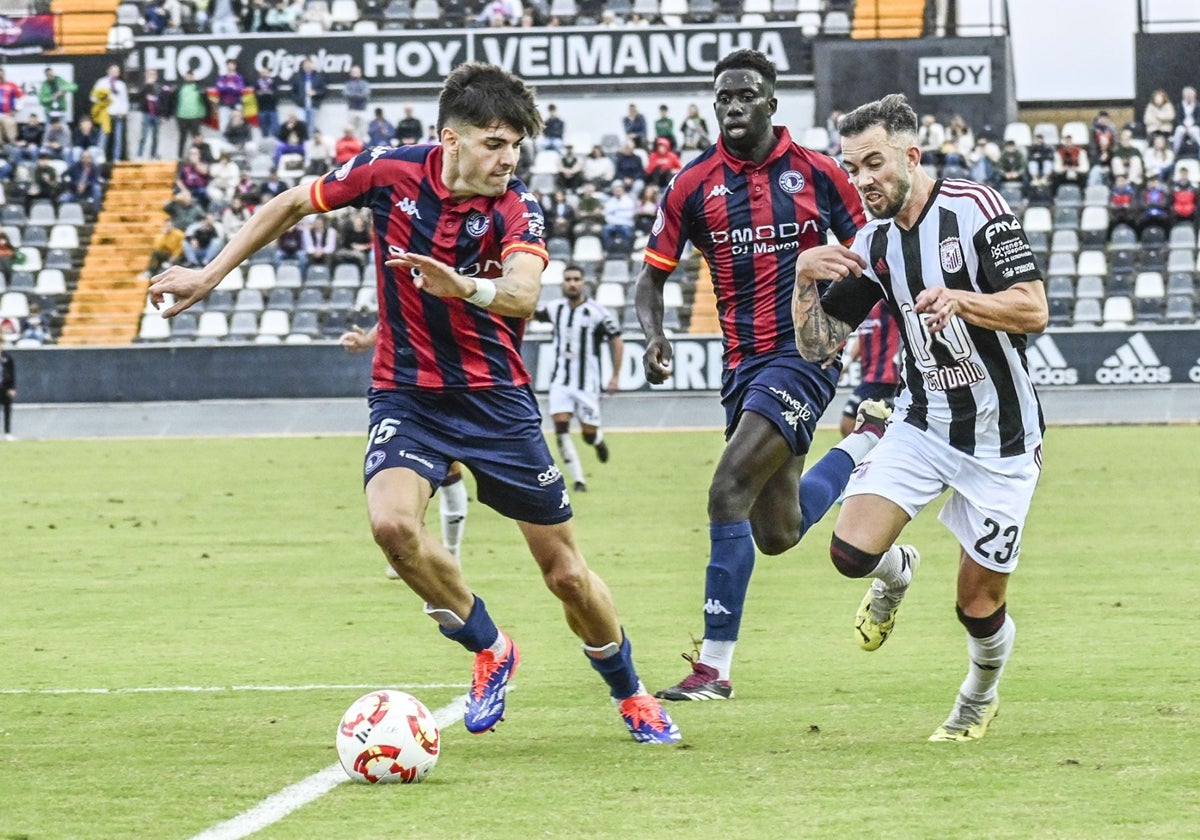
(275, 322)
(1018, 132)
(1077, 131)
(63, 236)
(14, 305)
(1038, 220)
(1093, 217)
(1149, 284)
(28, 258)
(1093, 262)
(610, 295)
(1118, 311)
(51, 281)
(260, 276)
(672, 294)
(233, 281)
(212, 325)
(588, 249)
(154, 327)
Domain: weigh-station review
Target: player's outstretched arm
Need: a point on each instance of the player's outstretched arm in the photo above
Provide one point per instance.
(648, 297)
(189, 285)
(514, 294)
(819, 335)
(1021, 308)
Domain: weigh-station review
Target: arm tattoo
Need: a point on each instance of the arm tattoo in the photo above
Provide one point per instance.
(818, 336)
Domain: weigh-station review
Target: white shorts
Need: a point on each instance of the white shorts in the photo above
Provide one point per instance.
(990, 497)
(583, 404)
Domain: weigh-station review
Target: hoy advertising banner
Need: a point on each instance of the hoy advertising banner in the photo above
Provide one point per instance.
(1068, 358)
(558, 58)
(971, 77)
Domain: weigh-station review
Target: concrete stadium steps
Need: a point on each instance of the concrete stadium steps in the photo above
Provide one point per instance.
(704, 305)
(84, 24)
(108, 301)
(888, 19)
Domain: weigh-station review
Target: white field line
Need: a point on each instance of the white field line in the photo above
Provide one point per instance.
(214, 689)
(279, 805)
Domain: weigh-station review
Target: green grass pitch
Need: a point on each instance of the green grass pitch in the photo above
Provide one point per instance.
(238, 564)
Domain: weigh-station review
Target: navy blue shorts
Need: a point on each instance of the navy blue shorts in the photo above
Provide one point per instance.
(885, 391)
(496, 433)
(783, 388)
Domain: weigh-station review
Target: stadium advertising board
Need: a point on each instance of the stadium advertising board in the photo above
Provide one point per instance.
(559, 58)
(1072, 357)
(26, 34)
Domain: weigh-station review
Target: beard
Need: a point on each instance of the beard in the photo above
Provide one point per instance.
(896, 197)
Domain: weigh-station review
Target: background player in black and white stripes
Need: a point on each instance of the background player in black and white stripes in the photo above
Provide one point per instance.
(955, 268)
(581, 326)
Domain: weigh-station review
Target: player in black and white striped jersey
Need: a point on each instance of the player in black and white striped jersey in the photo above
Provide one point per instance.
(581, 326)
(955, 268)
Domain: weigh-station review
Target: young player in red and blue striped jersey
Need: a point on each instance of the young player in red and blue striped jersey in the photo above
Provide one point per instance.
(751, 205)
(459, 256)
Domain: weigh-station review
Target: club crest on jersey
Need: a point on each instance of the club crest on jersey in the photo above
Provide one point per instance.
(951, 255)
(477, 224)
(659, 222)
(791, 181)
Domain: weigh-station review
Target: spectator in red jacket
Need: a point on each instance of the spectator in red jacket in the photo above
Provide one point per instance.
(347, 146)
(662, 163)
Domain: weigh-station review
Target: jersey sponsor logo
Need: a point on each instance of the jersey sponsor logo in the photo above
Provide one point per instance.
(1047, 366)
(1134, 362)
(796, 411)
(1005, 225)
(659, 222)
(961, 374)
(714, 607)
(551, 475)
(477, 224)
(764, 238)
(718, 191)
(951, 254)
(404, 453)
(791, 181)
(407, 205)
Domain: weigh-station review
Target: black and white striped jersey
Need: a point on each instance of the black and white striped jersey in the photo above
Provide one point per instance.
(968, 384)
(578, 334)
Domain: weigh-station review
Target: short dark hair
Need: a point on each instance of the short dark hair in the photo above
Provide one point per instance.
(482, 94)
(747, 60)
(892, 112)
(574, 267)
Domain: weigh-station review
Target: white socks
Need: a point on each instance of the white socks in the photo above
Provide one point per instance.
(718, 655)
(857, 445)
(891, 571)
(988, 657)
(566, 448)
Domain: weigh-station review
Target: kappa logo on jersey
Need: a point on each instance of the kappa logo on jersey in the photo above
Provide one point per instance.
(951, 255)
(714, 607)
(528, 196)
(477, 224)
(376, 153)
(407, 205)
(1047, 365)
(1134, 362)
(551, 475)
(718, 191)
(791, 181)
(659, 222)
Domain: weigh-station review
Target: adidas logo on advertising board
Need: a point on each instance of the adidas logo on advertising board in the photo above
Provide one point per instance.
(1047, 365)
(1134, 362)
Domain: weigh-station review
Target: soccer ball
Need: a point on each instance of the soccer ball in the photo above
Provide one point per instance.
(388, 736)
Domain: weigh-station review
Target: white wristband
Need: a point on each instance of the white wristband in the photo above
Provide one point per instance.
(485, 292)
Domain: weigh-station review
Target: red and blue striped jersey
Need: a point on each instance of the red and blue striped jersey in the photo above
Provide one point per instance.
(424, 341)
(750, 221)
(879, 346)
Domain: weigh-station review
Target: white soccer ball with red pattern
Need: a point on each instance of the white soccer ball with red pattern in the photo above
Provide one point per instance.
(388, 736)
